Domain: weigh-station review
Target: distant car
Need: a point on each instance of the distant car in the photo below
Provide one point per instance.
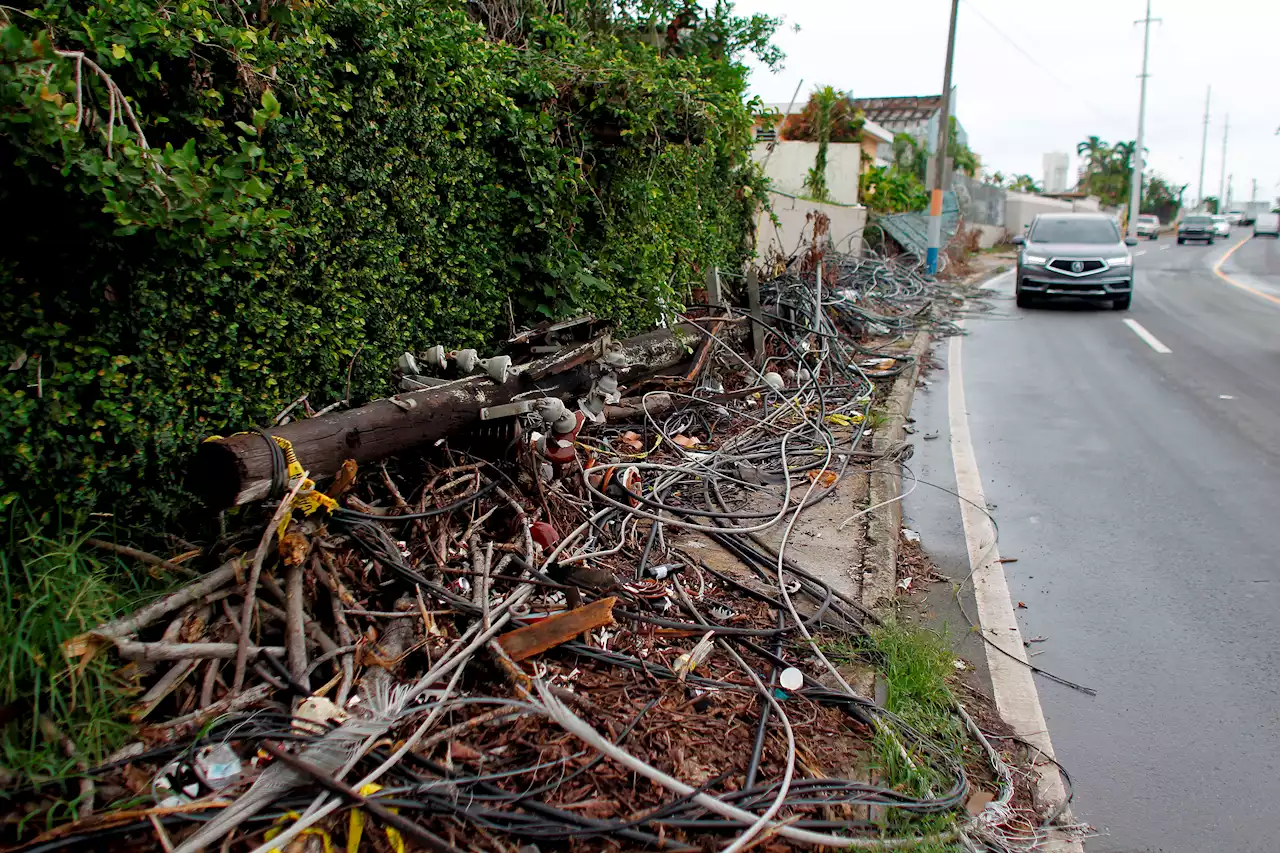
(1221, 226)
(1148, 226)
(1267, 223)
(1197, 227)
(1234, 217)
(1081, 255)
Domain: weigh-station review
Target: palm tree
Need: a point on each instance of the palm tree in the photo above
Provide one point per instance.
(1121, 160)
(1096, 153)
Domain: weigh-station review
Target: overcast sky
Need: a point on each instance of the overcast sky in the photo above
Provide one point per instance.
(1042, 75)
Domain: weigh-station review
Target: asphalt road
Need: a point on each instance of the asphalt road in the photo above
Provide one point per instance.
(1140, 493)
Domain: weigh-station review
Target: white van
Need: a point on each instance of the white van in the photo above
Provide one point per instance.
(1267, 223)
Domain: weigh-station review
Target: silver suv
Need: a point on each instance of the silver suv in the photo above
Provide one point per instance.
(1079, 255)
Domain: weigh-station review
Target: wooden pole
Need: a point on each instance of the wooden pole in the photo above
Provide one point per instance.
(237, 470)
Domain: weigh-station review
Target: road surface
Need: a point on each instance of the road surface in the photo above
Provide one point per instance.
(1139, 491)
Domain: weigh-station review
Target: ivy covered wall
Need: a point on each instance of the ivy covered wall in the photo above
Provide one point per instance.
(219, 203)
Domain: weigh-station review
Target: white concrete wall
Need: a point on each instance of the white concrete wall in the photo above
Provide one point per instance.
(790, 163)
(991, 234)
(794, 229)
(1021, 208)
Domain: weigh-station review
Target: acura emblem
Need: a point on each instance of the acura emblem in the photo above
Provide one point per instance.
(1077, 266)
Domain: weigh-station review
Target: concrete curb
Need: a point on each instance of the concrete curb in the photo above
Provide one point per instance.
(884, 524)
(880, 560)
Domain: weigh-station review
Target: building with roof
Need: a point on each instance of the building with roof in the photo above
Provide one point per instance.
(915, 115)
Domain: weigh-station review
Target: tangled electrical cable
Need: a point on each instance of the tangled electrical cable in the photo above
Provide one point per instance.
(700, 714)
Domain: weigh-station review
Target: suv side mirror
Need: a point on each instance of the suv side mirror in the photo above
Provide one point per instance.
(1019, 240)
(1131, 241)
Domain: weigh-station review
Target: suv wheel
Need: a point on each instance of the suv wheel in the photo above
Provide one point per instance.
(1024, 299)
(1122, 304)
(1210, 241)
(1181, 241)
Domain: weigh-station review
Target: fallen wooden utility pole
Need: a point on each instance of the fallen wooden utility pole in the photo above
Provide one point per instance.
(238, 469)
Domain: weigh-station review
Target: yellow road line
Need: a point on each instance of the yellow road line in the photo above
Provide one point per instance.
(1217, 270)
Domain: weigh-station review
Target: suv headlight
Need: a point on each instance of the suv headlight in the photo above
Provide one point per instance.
(1122, 261)
(1034, 260)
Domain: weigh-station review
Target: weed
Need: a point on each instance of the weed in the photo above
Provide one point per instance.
(51, 589)
(914, 664)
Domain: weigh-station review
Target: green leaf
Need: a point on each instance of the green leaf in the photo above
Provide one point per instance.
(270, 104)
(117, 50)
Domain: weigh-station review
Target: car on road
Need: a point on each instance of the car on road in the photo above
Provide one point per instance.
(1221, 226)
(1148, 226)
(1079, 255)
(1267, 223)
(1234, 217)
(1198, 226)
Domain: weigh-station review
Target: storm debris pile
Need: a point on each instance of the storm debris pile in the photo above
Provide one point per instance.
(511, 638)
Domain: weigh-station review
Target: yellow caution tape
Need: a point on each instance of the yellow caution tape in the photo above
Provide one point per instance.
(355, 829)
(308, 499)
(311, 830)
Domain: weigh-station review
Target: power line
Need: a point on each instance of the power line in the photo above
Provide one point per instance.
(1030, 58)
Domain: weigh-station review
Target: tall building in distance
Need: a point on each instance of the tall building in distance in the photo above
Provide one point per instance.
(1055, 172)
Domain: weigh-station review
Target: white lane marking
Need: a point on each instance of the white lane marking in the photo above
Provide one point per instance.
(1141, 252)
(1165, 248)
(1148, 338)
(1012, 685)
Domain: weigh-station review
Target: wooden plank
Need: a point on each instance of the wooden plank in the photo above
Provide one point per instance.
(713, 287)
(534, 639)
(757, 317)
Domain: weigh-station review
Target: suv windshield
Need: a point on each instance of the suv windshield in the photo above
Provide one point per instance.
(1147, 217)
(1072, 230)
(1199, 220)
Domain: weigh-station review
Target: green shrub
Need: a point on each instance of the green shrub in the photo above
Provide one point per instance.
(337, 177)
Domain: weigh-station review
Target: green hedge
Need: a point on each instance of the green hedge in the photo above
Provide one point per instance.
(343, 176)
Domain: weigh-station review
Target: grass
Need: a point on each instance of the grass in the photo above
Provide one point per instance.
(52, 587)
(914, 664)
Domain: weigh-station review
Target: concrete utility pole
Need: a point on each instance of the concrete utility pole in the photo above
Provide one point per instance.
(1222, 184)
(1135, 191)
(940, 155)
(1204, 147)
(1254, 195)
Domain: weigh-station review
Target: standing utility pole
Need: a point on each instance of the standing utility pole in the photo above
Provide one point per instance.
(1222, 185)
(1204, 147)
(1135, 190)
(940, 155)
